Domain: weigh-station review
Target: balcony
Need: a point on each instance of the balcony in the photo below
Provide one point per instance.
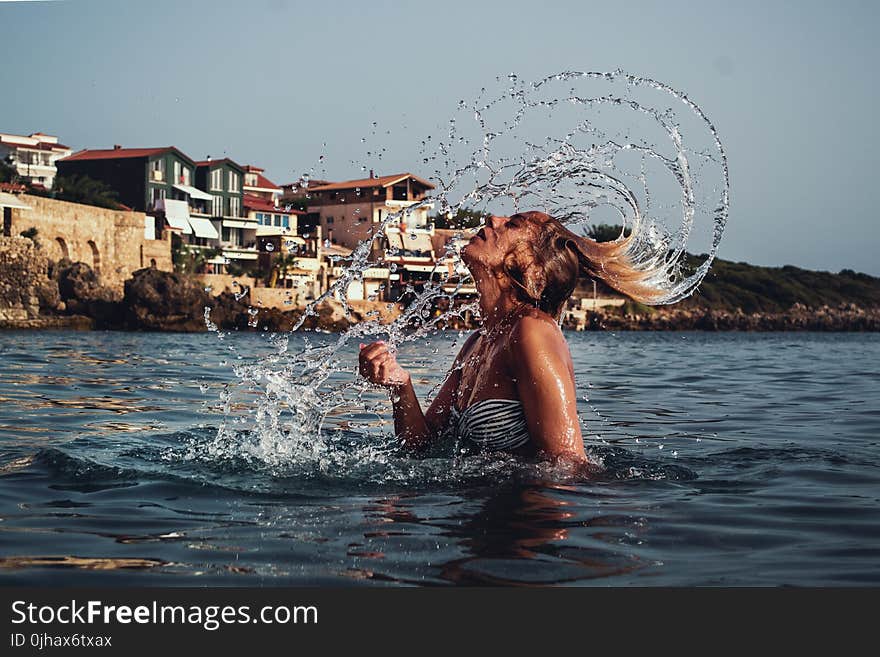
(240, 252)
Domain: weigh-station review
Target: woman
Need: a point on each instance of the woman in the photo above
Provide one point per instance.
(512, 386)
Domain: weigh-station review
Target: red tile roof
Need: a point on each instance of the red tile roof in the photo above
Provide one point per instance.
(381, 181)
(117, 153)
(263, 183)
(210, 163)
(263, 205)
(12, 187)
(310, 185)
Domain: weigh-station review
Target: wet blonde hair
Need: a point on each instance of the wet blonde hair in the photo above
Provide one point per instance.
(545, 271)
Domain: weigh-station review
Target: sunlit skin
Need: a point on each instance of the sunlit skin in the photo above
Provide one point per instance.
(520, 354)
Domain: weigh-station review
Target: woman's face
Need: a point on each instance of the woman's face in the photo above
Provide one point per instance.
(499, 237)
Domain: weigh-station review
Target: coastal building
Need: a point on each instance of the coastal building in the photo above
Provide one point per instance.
(410, 256)
(298, 192)
(141, 177)
(294, 262)
(269, 218)
(256, 184)
(223, 181)
(157, 181)
(373, 284)
(349, 211)
(33, 156)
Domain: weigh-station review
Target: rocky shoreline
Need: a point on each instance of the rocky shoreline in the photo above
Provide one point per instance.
(36, 293)
(844, 318)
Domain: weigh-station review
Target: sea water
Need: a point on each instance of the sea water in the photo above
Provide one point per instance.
(730, 459)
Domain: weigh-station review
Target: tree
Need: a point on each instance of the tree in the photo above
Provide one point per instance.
(30, 233)
(280, 266)
(82, 189)
(8, 172)
(189, 259)
(606, 232)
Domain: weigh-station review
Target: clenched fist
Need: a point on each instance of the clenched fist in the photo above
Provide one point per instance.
(378, 365)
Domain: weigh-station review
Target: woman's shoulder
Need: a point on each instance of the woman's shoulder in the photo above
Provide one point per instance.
(535, 328)
(535, 320)
(467, 346)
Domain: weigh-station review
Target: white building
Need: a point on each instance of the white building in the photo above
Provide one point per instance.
(33, 156)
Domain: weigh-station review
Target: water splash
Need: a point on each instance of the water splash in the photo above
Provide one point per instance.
(585, 147)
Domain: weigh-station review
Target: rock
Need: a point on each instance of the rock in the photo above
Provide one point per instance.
(157, 300)
(80, 289)
(49, 298)
(23, 270)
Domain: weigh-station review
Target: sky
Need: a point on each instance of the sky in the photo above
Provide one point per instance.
(790, 86)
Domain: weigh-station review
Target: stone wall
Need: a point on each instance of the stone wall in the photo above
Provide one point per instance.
(112, 242)
(23, 270)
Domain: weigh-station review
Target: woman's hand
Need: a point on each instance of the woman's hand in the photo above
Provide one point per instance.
(379, 365)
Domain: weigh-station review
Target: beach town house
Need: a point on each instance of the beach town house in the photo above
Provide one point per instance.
(223, 179)
(33, 156)
(158, 181)
(256, 184)
(349, 211)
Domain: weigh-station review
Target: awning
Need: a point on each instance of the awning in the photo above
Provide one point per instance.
(10, 201)
(203, 228)
(232, 223)
(194, 192)
(176, 214)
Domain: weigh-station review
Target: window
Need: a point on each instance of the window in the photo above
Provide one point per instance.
(157, 170)
(233, 236)
(217, 206)
(156, 193)
(250, 179)
(186, 176)
(330, 220)
(286, 222)
(177, 177)
(234, 206)
(217, 179)
(277, 219)
(234, 180)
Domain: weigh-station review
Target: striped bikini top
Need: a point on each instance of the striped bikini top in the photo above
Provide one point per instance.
(491, 424)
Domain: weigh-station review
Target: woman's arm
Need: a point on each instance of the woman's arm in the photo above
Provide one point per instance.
(416, 430)
(541, 365)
